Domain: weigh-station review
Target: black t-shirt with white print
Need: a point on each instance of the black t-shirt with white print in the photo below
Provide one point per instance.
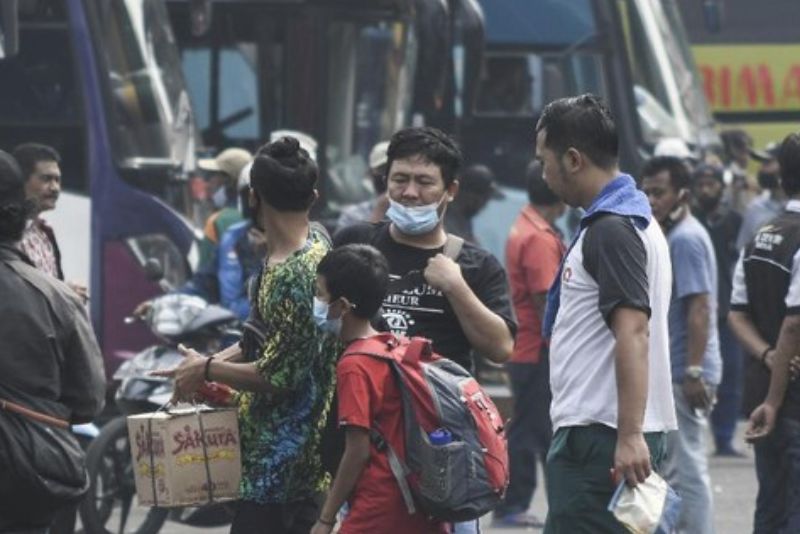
(414, 308)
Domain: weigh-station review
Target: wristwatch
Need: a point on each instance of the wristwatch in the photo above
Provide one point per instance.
(694, 372)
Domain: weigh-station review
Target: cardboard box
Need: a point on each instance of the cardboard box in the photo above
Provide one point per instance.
(177, 464)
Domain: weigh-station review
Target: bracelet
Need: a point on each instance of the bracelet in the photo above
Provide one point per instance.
(208, 369)
(763, 357)
(326, 523)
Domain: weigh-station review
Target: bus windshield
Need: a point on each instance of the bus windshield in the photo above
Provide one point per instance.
(533, 60)
(146, 85)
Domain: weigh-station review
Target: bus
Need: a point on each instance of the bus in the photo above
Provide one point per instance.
(101, 82)
(348, 73)
(749, 56)
(633, 53)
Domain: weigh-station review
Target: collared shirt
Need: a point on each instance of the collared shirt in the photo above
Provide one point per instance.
(766, 286)
(533, 255)
(281, 434)
(37, 244)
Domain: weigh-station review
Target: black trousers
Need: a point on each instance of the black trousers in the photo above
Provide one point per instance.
(285, 518)
(529, 433)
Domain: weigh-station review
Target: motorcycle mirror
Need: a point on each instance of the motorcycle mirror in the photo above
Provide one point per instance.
(153, 270)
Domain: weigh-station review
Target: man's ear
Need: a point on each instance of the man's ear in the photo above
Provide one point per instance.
(573, 160)
(452, 190)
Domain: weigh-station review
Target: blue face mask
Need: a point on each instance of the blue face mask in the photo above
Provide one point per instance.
(414, 220)
(330, 326)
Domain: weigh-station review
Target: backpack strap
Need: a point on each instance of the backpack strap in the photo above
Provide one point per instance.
(415, 349)
(452, 246)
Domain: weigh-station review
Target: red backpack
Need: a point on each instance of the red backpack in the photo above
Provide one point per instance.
(456, 461)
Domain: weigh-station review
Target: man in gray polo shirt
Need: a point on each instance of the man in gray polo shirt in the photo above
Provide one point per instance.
(607, 312)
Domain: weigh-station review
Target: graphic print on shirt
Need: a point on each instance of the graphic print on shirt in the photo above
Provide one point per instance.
(410, 300)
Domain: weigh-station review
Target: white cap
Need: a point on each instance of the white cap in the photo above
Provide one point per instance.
(244, 177)
(229, 162)
(378, 156)
(673, 146)
(307, 143)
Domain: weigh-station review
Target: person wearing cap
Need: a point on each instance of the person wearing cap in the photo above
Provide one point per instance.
(49, 362)
(722, 224)
(222, 184)
(241, 251)
(769, 204)
(373, 209)
(477, 187)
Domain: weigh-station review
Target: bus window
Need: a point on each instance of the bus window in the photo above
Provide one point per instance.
(40, 99)
(152, 131)
(641, 58)
(237, 103)
(368, 76)
(146, 82)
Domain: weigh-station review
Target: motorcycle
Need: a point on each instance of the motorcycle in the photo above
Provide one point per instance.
(175, 319)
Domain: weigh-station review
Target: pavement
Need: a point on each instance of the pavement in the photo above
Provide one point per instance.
(733, 481)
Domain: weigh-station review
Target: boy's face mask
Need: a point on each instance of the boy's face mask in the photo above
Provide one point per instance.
(330, 326)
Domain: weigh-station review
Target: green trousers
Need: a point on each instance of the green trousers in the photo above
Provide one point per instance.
(579, 485)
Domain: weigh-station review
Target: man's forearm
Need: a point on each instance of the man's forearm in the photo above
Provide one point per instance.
(241, 376)
(787, 347)
(230, 354)
(746, 332)
(632, 381)
(486, 331)
(698, 321)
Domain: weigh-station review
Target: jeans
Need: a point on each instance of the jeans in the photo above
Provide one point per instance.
(729, 394)
(529, 433)
(686, 467)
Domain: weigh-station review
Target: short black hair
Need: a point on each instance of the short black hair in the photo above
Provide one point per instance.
(430, 144)
(539, 193)
(284, 175)
(29, 154)
(789, 161)
(678, 170)
(359, 273)
(735, 140)
(582, 122)
(13, 207)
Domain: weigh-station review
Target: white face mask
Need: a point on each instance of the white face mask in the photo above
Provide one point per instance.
(414, 220)
(330, 326)
(220, 198)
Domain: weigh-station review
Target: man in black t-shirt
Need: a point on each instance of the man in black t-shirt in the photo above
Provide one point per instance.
(765, 315)
(462, 304)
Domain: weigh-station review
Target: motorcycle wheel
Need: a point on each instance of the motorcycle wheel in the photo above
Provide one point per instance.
(108, 504)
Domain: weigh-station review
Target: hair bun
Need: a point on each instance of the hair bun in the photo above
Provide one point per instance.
(284, 148)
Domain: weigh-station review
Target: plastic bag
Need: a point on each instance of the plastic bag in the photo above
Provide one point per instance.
(652, 507)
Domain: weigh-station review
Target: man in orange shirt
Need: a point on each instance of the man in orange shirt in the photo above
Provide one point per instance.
(533, 254)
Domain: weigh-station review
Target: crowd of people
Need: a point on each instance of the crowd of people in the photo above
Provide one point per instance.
(675, 305)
